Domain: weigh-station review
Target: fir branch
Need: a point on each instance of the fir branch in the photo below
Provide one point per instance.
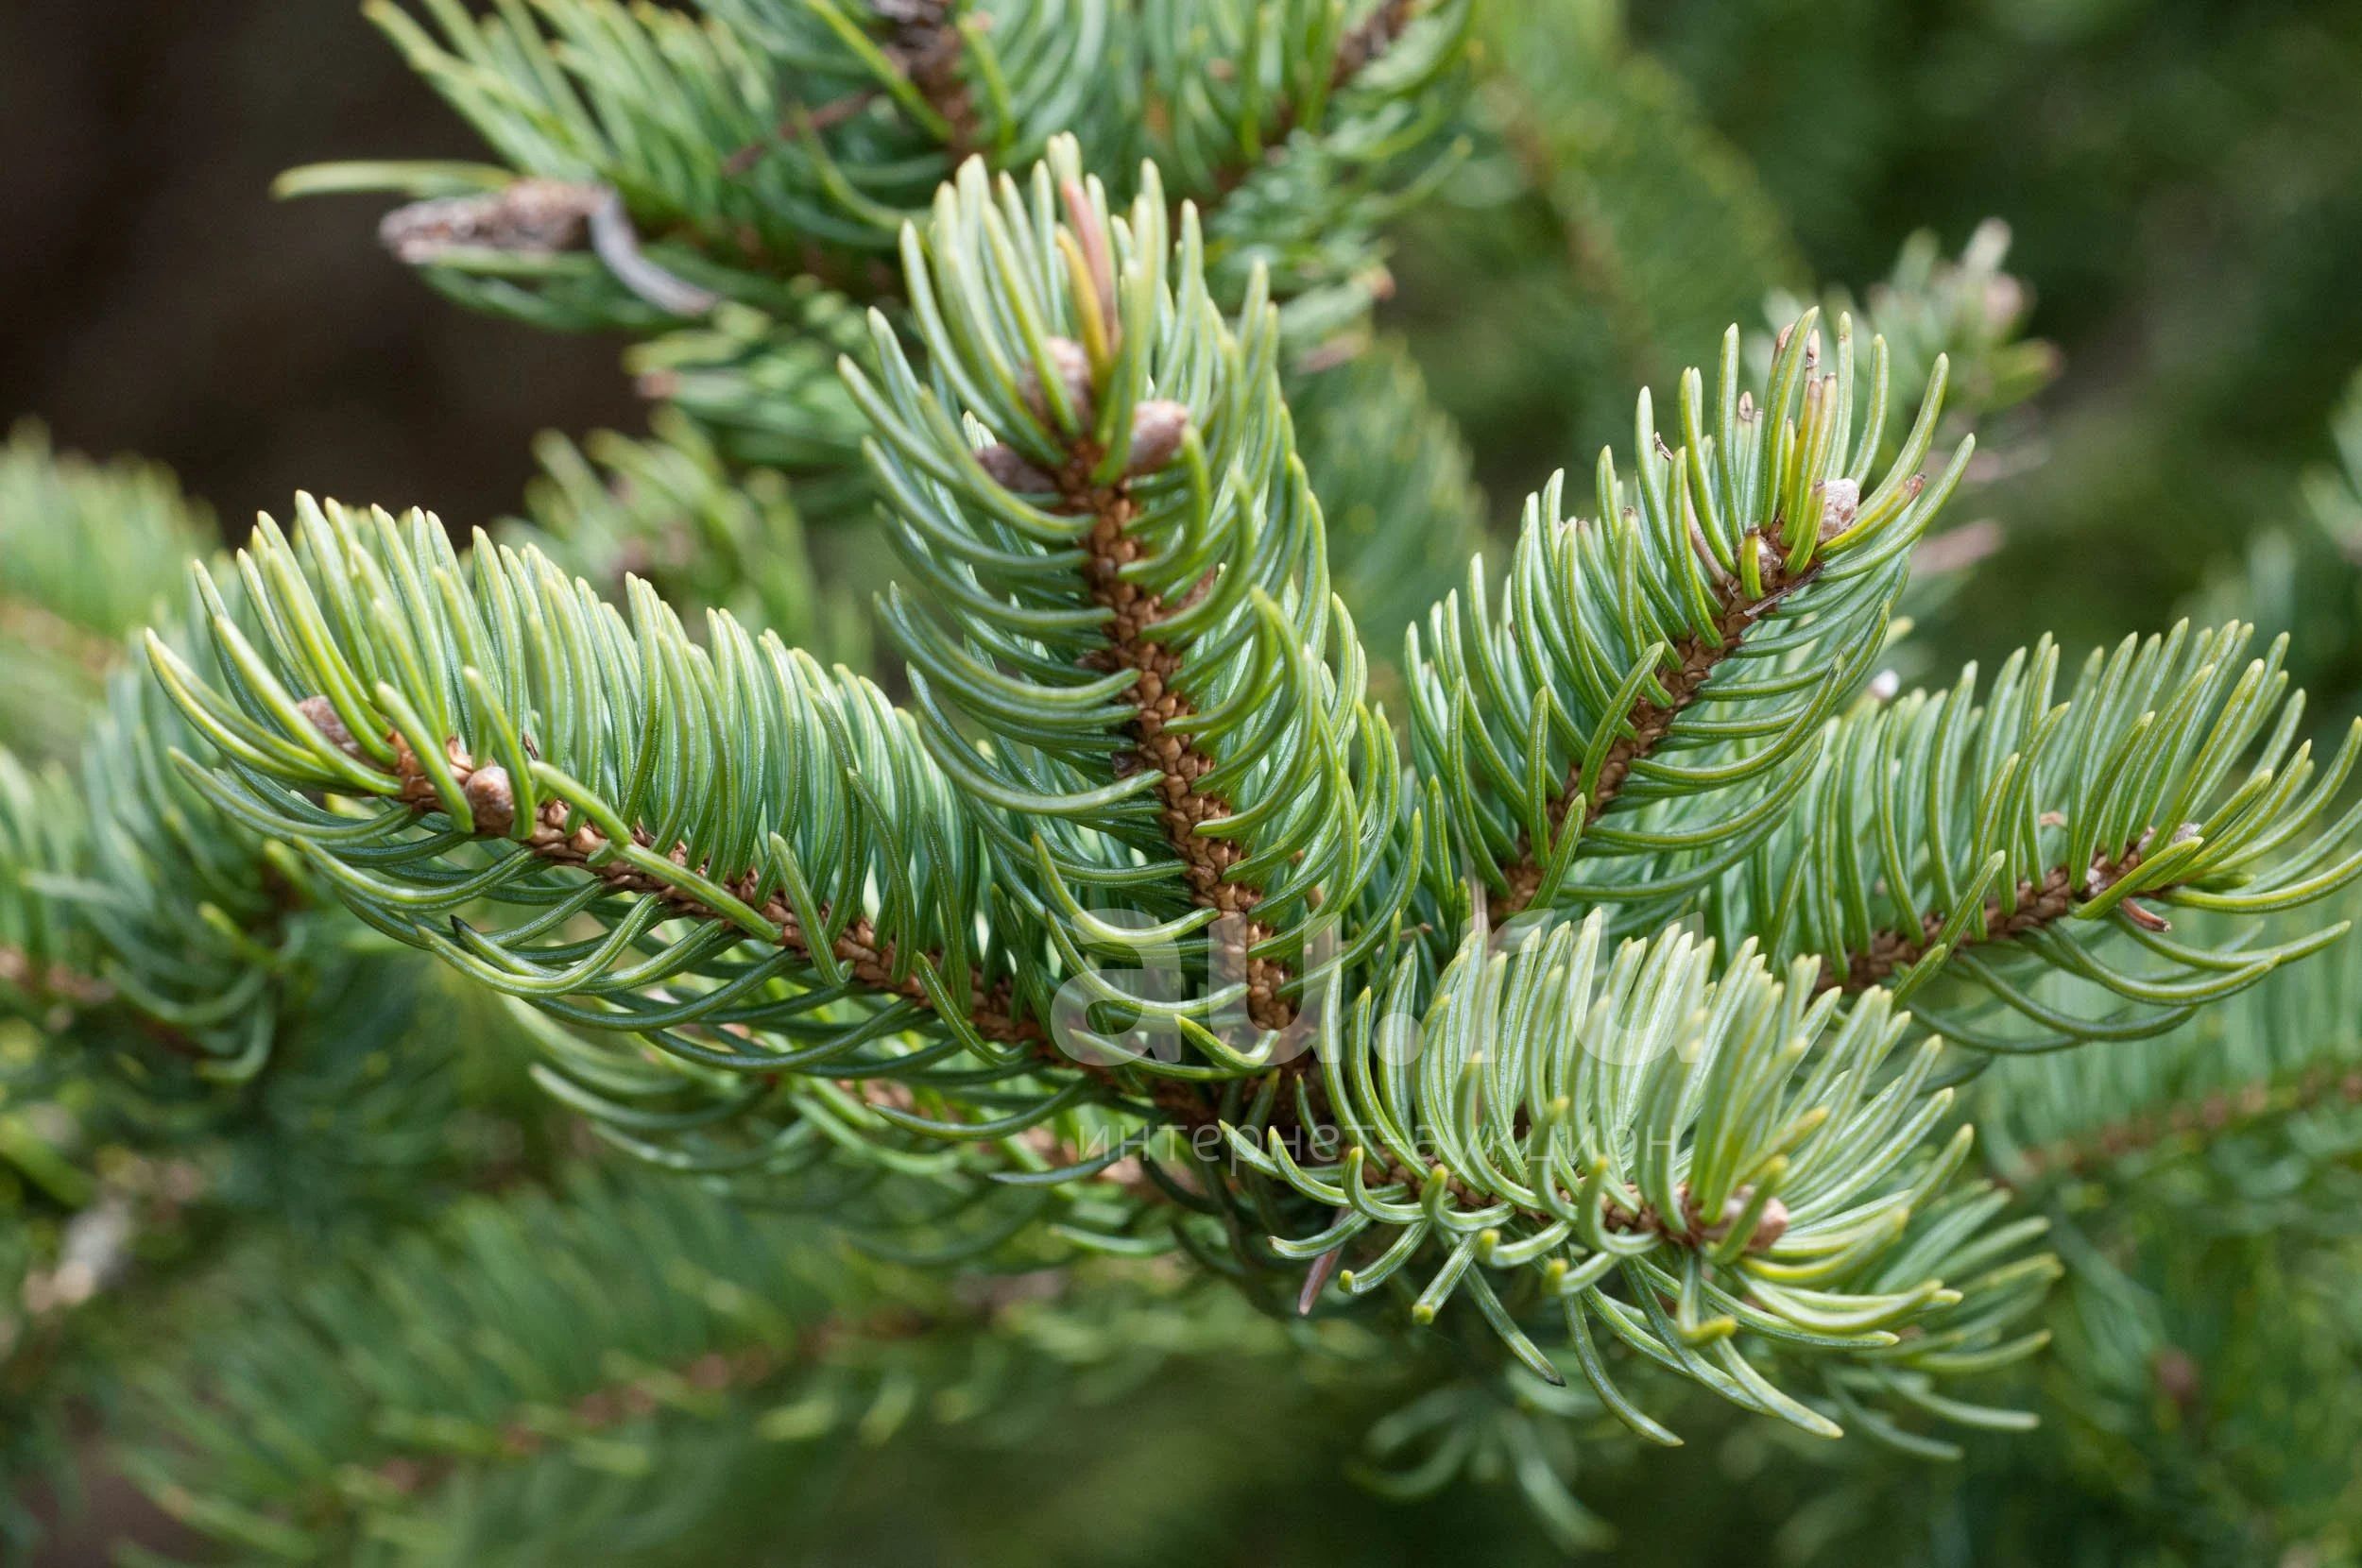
(644, 1320)
(2289, 1044)
(1688, 664)
(1987, 842)
(817, 830)
(1162, 718)
(1624, 1138)
(818, 833)
(1635, 716)
(2186, 1125)
(560, 837)
(2034, 907)
(753, 1372)
(1119, 547)
(762, 146)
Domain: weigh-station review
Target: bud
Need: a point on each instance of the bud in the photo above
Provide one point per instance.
(530, 217)
(2177, 1376)
(324, 717)
(2005, 302)
(1072, 368)
(492, 801)
(1839, 500)
(1158, 427)
(1013, 472)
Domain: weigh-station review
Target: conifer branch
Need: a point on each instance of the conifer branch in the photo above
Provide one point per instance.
(1637, 713)
(1650, 719)
(1162, 718)
(1641, 1144)
(2270, 1061)
(806, 822)
(1984, 845)
(559, 836)
(1127, 553)
(648, 1320)
(2035, 906)
(762, 142)
(2185, 1124)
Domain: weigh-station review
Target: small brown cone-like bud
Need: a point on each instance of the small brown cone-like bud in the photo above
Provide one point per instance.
(1770, 1226)
(324, 717)
(1072, 368)
(2177, 1376)
(1839, 500)
(1011, 471)
(492, 800)
(1158, 427)
(531, 217)
(2004, 301)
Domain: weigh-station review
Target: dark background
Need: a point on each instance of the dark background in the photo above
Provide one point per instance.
(158, 300)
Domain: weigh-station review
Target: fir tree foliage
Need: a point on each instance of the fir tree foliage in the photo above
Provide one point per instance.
(1999, 842)
(669, 508)
(786, 879)
(516, 1375)
(87, 549)
(1670, 1017)
(1677, 656)
(768, 137)
(1134, 579)
(1133, 691)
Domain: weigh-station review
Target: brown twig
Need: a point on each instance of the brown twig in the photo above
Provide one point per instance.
(2037, 905)
(992, 1009)
(1693, 659)
(584, 846)
(1177, 761)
